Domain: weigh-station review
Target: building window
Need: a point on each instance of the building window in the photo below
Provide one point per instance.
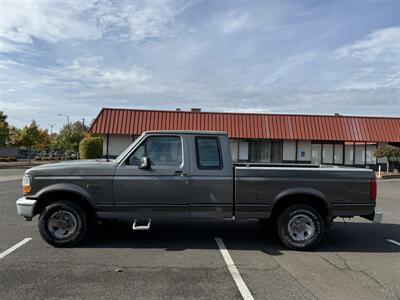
(348, 153)
(208, 153)
(276, 151)
(243, 150)
(289, 150)
(260, 151)
(338, 154)
(371, 148)
(360, 154)
(327, 154)
(316, 150)
(303, 151)
(234, 149)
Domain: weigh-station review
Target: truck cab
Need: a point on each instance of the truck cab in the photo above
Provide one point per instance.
(175, 174)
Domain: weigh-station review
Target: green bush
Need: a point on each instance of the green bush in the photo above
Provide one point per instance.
(91, 147)
(10, 158)
(38, 158)
(3, 159)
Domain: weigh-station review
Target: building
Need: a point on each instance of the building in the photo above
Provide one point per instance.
(261, 138)
(8, 151)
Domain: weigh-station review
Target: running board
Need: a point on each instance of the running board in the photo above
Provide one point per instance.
(141, 227)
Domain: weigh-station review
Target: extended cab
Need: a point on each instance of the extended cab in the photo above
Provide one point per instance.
(190, 174)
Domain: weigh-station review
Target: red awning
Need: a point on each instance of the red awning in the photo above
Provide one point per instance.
(254, 126)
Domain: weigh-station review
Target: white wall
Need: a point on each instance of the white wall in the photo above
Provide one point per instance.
(116, 143)
(234, 149)
(243, 150)
(289, 150)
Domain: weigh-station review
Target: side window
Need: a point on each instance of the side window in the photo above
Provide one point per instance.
(208, 153)
(162, 151)
(134, 160)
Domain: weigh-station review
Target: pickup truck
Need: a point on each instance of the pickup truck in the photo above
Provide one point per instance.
(190, 174)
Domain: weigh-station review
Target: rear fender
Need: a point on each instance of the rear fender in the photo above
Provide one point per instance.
(293, 192)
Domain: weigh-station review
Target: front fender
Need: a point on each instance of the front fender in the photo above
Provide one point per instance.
(63, 187)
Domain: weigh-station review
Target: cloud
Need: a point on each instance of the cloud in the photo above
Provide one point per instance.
(380, 45)
(85, 20)
(48, 21)
(371, 62)
(91, 73)
(232, 22)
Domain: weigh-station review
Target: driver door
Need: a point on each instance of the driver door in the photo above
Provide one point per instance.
(160, 191)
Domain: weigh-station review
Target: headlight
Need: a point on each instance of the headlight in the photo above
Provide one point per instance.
(26, 183)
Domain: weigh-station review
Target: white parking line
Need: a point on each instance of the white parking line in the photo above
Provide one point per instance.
(393, 242)
(15, 247)
(234, 271)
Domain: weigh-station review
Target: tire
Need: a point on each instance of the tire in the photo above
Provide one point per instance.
(63, 224)
(300, 227)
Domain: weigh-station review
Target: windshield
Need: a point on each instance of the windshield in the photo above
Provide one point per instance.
(128, 149)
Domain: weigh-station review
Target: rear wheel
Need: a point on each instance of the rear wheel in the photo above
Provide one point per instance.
(63, 224)
(300, 227)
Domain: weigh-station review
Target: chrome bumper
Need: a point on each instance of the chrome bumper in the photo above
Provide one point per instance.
(26, 207)
(375, 217)
(378, 214)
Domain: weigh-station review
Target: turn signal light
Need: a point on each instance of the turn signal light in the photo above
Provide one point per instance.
(26, 189)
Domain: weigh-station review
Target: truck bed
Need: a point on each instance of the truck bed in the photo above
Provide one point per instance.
(344, 190)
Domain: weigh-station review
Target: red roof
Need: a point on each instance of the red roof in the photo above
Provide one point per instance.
(246, 125)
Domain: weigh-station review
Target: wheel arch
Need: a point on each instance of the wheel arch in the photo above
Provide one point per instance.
(68, 192)
(311, 197)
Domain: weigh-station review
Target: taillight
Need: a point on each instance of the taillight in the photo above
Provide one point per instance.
(373, 189)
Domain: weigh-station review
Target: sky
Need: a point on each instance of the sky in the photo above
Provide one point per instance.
(306, 57)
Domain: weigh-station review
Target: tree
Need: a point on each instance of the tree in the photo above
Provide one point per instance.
(55, 144)
(43, 140)
(4, 129)
(387, 151)
(91, 147)
(14, 136)
(71, 135)
(27, 137)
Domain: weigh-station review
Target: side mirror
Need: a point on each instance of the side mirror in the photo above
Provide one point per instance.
(145, 163)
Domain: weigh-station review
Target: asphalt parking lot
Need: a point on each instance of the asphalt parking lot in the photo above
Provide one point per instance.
(356, 260)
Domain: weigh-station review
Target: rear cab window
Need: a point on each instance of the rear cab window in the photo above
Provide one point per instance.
(208, 153)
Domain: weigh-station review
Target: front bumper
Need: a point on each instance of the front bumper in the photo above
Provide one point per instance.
(375, 217)
(26, 207)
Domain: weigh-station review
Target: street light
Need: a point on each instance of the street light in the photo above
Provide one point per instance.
(51, 127)
(64, 115)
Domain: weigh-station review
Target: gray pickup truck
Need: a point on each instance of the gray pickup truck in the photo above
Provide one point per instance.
(190, 174)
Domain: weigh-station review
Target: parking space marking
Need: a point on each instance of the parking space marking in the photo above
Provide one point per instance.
(15, 247)
(393, 242)
(234, 271)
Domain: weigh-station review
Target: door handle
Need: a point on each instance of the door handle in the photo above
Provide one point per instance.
(179, 173)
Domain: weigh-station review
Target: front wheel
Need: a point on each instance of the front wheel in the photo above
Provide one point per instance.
(63, 224)
(300, 227)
